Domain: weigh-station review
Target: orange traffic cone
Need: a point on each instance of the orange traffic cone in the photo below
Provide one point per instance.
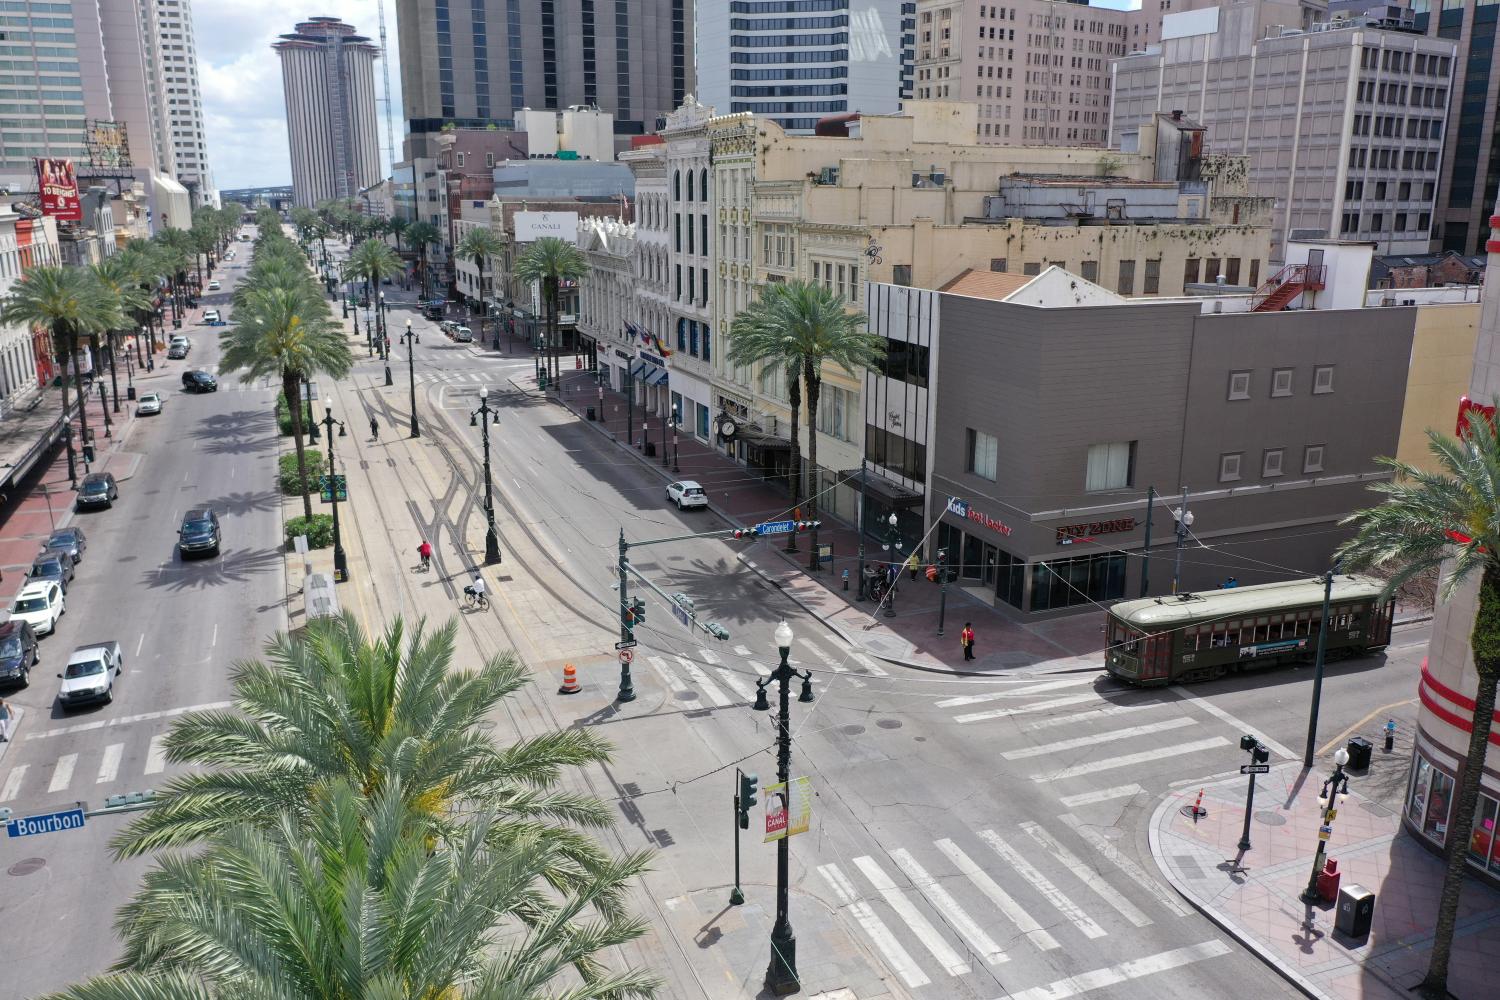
(570, 680)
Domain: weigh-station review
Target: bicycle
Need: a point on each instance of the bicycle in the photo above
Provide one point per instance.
(475, 600)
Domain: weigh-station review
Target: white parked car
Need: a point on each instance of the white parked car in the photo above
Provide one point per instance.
(213, 286)
(150, 402)
(40, 604)
(687, 494)
(211, 316)
(90, 674)
(463, 335)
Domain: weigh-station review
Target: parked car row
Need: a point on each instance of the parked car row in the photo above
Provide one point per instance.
(456, 332)
(41, 602)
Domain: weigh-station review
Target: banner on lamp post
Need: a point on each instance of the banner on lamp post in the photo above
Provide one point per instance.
(788, 813)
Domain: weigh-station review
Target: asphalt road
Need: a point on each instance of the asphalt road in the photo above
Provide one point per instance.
(181, 626)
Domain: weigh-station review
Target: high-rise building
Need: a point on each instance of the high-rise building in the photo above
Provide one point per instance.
(45, 116)
(480, 63)
(328, 75)
(795, 61)
(172, 51)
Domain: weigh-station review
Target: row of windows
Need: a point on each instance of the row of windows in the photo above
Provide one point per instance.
(1380, 190)
(901, 455)
(805, 73)
(1386, 158)
(789, 23)
(795, 90)
(830, 56)
(1268, 628)
(1401, 222)
(1272, 463)
(786, 6)
(788, 107)
(787, 41)
(1282, 382)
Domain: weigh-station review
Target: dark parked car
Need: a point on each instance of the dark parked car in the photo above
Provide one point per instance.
(52, 566)
(177, 352)
(18, 652)
(199, 381)
(69, 540)
(199, 534)
(98, 490)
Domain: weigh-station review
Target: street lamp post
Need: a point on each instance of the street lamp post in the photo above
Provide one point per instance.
(1335, 791)
(1184, 519)
(340, 562)
(410, 340)
(942, 568)
(892, 546)
(781, 974)
(482, 418)
(645, 426)
(860, 583)
(67, 435)
(663, 432)
(385, 340)
(104, 409)
(1317, 691)
(676, 420)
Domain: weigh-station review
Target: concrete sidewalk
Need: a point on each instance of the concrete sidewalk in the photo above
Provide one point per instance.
(1258, 903)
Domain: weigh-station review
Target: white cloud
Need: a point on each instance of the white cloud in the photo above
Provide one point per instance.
(244, 108)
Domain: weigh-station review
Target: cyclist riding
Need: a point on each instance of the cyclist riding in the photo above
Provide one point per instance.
(425, 552)
(475, 591)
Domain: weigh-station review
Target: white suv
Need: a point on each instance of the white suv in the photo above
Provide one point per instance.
(687, 494)
(40, 604)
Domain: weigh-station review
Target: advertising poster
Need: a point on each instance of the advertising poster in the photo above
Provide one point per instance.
(59, 187)
(788, 813)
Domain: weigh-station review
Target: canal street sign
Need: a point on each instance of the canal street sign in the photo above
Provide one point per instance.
(53, 822)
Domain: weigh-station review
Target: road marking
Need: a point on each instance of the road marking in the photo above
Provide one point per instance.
(1043, 885)
(139, 643)
(668, 676)
(1096, 713)
(739, 687)
(126, 720)
(868, 663)
(215, 640)
(1239, 726)
(1002, 899)
(890, 949)
(62, 774)
(1133, 871)
(1088, 876)
(709, 656)
(109, 767)
(832, 662)
(1040, 706)
(156, 754)
(13, 782)
(1130, 760)
(976, 699)
(1102, 795)
(951, 961)
(744, 651)
(714, 695)
(1042, 749)
(1382, 710)
(1136, 968)
(949, 908)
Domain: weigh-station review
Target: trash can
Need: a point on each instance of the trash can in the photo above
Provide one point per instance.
(130, 392)
(1359, 753)
(1356, 911)
(591, 413)
(650, 449)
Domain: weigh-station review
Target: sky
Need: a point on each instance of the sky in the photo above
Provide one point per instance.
(244, 109)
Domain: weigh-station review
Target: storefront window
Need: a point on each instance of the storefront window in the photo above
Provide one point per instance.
(1063, 583)
(1482, 843)
(1438, 800)
(1416, 803)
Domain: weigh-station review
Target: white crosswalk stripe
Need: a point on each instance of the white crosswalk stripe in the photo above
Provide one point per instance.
(1040, 706)
(1098, 979)
(1042, 750)
(668, 675)
(1024, 922)
(1130, 760)
(62, 772)
(1100, 795)
(1127, 867)
(1060, 901)
(13, 782)
(869, 664)
(945, 904)
(156, 754)
(979, 699)
(890, 948)
(741, 687)
(708, 688)
(1087, 875)
(834, 663)
(109, 767)
(1094, 713)
(709, 656)
(951, 961)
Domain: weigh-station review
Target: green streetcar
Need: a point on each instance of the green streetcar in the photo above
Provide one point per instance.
(1198, 637)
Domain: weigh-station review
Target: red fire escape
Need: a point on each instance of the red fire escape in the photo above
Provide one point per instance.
(1288, 283)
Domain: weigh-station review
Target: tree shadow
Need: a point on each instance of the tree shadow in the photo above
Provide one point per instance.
(229, 567)
(243, 503)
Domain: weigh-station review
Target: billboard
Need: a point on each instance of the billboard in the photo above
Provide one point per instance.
(59, 187)
(532, 226)
(107, 142)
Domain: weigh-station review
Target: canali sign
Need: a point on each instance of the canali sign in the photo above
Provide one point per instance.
(532, 226)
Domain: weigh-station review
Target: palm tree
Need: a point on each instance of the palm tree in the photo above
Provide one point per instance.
(396, 227)
(68, 301)
(420, 235)
(352, 898)
(480, 244)
(552, 261)
(373, 260)
(802, 325)
(1428, 519)
(288, 332)
(120, 278)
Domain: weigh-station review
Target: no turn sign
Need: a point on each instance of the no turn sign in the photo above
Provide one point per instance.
(626, 656)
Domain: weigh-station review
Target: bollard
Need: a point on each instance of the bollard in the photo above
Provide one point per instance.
(1196, 810)
(570, 680)
(1390, 735)
(846, 580)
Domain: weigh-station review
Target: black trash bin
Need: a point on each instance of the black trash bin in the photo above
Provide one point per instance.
(130, 392)
(591, 413)
(1356, 911)
(650, 449)
(1359, 753)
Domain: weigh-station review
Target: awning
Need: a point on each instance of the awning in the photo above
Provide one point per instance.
(645, 371)
(760, 439)
(893, 495)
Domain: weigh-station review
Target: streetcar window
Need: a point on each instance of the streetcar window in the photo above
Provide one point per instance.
(1262, 629)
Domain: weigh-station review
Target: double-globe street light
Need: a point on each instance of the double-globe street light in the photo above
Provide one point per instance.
(482, 418)
(1335, 791)
(340, 562)
(1184, 519)
(781, 974)
(410, 339)
(892, 545)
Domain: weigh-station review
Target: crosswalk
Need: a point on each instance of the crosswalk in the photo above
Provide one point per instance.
(722, 679)
(134, 759)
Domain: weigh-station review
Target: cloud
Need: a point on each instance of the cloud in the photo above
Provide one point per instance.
(244, 108)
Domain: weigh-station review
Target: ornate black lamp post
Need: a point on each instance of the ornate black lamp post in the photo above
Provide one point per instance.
(482, 418)
(411, 340)
(1335, 791)
(340, 562)
(892, 546)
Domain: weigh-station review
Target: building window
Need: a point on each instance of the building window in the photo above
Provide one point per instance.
(997, 263)
(1190, 271)
(1229, 466)
(1033, 268)
(1152, 283)
(901, 274)
(1090, 271)
(1323, 379)
(1110, 466)
(1126, 284)
(1270, 465)
(1312, 458)
(1239, 385)
(1281, 382)
(1211, 270)
(1063, 583)
(982, 449)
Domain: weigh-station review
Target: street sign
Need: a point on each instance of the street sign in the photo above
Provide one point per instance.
(626, 656)
(1255, 768)
(775, 527)
(683, 615)
(627, 644)
(1324, 832)
(53, 822)
(327, 493)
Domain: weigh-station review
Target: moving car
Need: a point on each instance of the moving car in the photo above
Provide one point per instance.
(18, 651)
(199, 381)
(177, 352)
(70, 540)
(687, 494)
(90, 674)
(213, 286)
(199, 534)
(211, 316)
(98, 490)
(149, 403)
(54, 566)
(40, 605)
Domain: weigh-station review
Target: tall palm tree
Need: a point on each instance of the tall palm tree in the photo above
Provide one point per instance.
(120, 280)
(352, 898)
(203, 237)
(804, 326)
(287, 331)
(69, 302)
(480, 244)
(397, 228)
(419, 236)
(552, 261)
(374, 260)
(1452, 517)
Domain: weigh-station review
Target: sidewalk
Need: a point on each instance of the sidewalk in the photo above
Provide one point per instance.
(1260, 906)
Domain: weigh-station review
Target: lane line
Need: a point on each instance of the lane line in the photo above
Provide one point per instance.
(109, 767)
(710, 689)
(1131, 870)
(1042, 749)
(13, 782)
(1102, 795)
(1382, 710)
(1088, 876)
(978, 699)
(139, 643)
(1024, 922)
(1239, 726)
(1059, 899)
(1136, 968)
(215, 640)
(945, 904)
(951, 961)
(1130, 760)
(156, 754)
(126, 720)
(1040, 706)
(744, 651)
(1096, 713)
(885, 942)
(62, 774)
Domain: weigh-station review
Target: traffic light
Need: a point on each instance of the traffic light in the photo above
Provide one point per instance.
(1247, 742)
(749, 787)
(717, 631)
(745, 533)
(1261, 755)
(807, 525)
(638, 608)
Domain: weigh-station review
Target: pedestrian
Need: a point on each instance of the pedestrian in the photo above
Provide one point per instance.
(967, 638)
(374, 429)
(912, 565)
